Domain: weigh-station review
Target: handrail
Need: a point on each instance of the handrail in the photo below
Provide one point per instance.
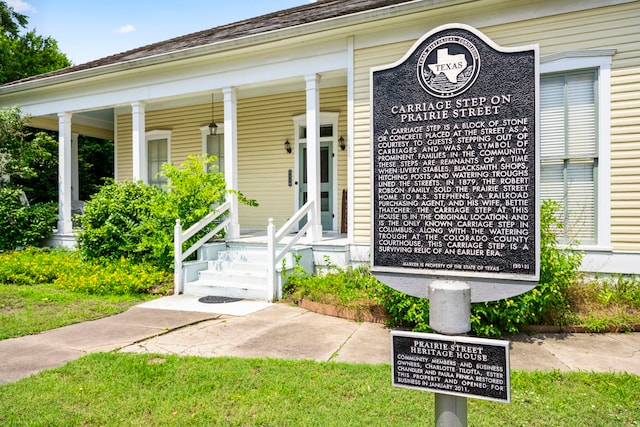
(274, 238)
(180, 237)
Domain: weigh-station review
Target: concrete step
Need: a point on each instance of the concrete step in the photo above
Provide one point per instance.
(231, 277)
(228, 288)
(221, 265)
(234, 270)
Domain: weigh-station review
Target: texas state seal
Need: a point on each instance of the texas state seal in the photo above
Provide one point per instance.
(448, 66)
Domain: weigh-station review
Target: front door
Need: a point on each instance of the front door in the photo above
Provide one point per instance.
(326, 181)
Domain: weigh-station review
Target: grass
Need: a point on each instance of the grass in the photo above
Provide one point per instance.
(29, 309)
(42, 289)
(105, 389)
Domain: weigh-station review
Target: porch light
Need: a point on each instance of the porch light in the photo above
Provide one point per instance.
(341, 143)
(213, 127)
(287, 146)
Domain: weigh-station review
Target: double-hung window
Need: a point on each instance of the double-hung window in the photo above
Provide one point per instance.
(158, 143)
(213, 145)
(568, 155)
(574, 146)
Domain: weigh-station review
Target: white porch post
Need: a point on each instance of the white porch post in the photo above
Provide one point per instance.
(350, 140)
(313, 153)
(64, 174)
(75, 173)
(139, 142)
(231, 155)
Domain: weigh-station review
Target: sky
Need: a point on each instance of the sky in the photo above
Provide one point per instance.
(91, 29)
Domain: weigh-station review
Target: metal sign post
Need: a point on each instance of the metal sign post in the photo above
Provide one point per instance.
(450, 315)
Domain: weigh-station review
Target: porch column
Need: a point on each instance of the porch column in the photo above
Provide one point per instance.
(313, 153)
(75, 174)
(64, 174)
(231, 155)
(350, 140)
(139, 143)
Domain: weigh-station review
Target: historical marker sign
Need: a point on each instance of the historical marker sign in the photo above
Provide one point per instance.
(454, 160)
(460, 366)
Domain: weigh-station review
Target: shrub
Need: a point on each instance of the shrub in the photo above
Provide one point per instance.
(112, 278)
(404, 310)
(116, 221)
(345, 287)
(547, 302)
(66, 269)
(36, 265)
(135, 221)
(22, 225)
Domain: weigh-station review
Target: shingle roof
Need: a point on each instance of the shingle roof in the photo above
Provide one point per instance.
(314, 12)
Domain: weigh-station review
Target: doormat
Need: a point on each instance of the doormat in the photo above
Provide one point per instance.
(209, 299)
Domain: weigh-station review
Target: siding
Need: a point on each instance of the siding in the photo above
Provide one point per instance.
(264, 123)
(124, 148)
(364, 59)
(607, 27)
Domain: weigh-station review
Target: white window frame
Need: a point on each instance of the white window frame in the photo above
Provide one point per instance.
(600, 60)
(205, 131)
(154, 135)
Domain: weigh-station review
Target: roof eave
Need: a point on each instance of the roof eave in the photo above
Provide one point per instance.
(226, 45)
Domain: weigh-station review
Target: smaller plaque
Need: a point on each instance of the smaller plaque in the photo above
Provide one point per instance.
(459, 366)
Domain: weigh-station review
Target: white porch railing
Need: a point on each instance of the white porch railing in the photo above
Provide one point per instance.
(274, 238)
(179, 238)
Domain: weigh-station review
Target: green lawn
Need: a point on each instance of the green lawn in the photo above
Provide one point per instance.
(29, 309)
(112, 389)
(109, 389)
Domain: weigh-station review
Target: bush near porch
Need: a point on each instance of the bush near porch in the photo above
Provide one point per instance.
(135, 221)
(21, 224)
(561, 297)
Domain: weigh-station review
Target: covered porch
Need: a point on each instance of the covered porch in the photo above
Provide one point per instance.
(268, 155)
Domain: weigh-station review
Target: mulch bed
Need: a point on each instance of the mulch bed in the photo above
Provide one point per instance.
(363, 315)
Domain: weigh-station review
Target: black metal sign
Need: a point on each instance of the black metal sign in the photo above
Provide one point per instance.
(454, 152)
(460, 366)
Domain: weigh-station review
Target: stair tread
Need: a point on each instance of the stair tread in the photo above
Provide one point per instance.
(213, 283)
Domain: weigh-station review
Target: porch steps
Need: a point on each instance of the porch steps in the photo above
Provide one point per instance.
(238, 270)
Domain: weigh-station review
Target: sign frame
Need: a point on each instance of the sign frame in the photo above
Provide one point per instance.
(485, 285)
(501, 374)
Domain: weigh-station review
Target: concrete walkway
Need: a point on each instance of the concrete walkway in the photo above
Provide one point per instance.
(250, 329)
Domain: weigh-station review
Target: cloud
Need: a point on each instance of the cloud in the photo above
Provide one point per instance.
(126, 29)
(20, 6)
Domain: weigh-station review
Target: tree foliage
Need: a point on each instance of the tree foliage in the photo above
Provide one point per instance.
(22, 153)
(10, 20)
(25, 55)
(95, 164)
